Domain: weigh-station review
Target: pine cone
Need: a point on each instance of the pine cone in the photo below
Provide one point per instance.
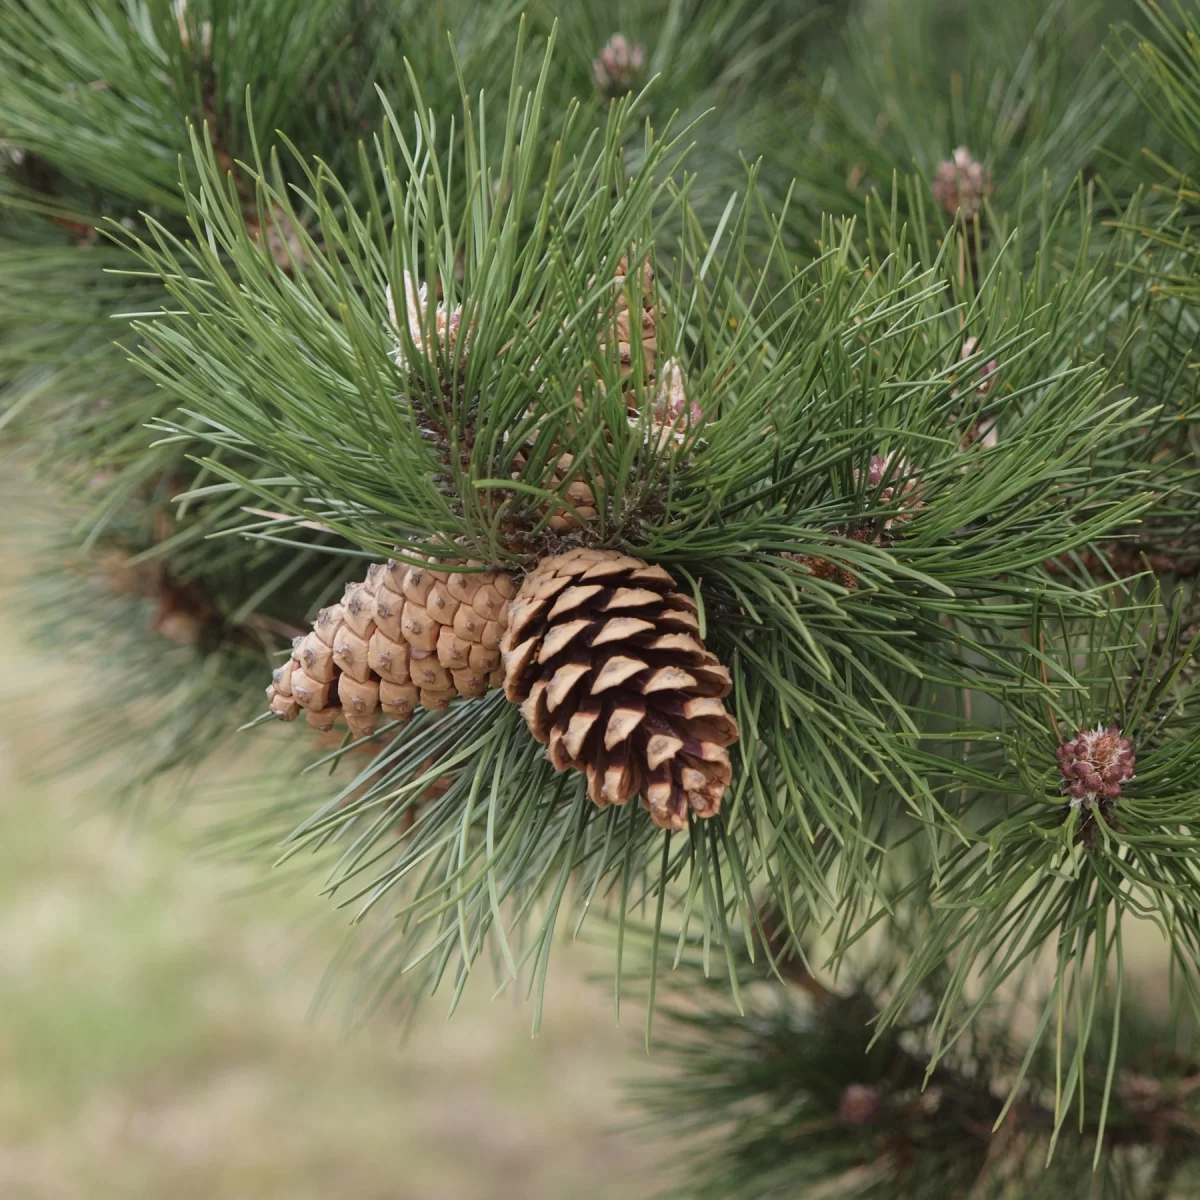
(603, 654)
(407, 635)
(620, 330)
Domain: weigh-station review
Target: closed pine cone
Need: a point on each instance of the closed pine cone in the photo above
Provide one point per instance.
(604, 655)
(628, 327)
(407, 635)
(622, 329)
(578, 506)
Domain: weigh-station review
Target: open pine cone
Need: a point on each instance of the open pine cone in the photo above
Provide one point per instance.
(604, 655)
(407, 635)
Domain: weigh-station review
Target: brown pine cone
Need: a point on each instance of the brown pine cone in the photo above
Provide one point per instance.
(407, 635)
(603, 653)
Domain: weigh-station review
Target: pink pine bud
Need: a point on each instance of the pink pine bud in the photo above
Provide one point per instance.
(961, 185)
(619, 65)
(673, 413)
(861, 1104)
(905, 483)
(1095, 764)
(981, 430)
(986, 372)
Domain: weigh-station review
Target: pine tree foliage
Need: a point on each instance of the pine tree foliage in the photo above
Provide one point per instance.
(96, 108)
(97, 103)
(1163, 71)
(838, 361)
(796, 1096)
(930, 482)
(1024, 89)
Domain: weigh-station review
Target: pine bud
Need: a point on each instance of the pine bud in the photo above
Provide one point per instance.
(619, 66)
(673, 414)
(908, 484)
(982, 430)
(985, 372)
(861, 1104)
(962, 184)
(446, 322)
(180, 9)
(1095, 765)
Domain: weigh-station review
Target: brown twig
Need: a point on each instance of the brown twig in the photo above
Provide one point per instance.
(1124, 559)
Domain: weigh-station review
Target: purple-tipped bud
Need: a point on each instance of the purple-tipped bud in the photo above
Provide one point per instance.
(904, 481)
(986, 372)
(619, 65)
(860, 1104)
(1095, 764)
(961, 185)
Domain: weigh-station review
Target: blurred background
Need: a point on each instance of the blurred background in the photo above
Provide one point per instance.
(156, 1028)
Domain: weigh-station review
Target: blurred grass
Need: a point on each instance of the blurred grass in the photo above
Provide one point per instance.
(154, 1030)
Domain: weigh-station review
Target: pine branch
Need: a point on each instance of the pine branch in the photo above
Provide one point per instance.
(800, 1093)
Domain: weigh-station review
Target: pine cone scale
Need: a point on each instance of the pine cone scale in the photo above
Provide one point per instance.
(615, 672)
(623, 721)
(573, 597)
(631, 598)
(563, 682)
(622, 629)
